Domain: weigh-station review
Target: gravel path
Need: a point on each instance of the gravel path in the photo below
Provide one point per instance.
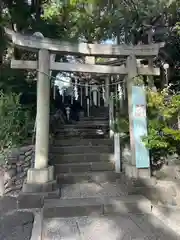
(14, 225)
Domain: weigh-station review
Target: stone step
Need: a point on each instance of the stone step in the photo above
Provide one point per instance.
(81, 129)
(99, 108)
(50, 186)
(81, 149)
(90, 123)
(82, 142)
(99, 113)
(114, 227)
(35, 200)
(164, 193)
(86, 124)
(83, 132)
(96, 112)
(99, 177)
(83, 167)
(92, 118)
(83, 135)
(56, 158)
(87, 206)
(93, 189)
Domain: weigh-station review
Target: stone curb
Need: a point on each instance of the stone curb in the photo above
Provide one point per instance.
(37, 227)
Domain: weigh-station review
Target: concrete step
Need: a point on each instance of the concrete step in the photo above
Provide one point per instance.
(83, 177)
(56, 158)
(82, 142)
(83, 167)
(87, 206)
(81, 149)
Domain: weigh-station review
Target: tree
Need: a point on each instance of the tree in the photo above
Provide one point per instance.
(15, 123)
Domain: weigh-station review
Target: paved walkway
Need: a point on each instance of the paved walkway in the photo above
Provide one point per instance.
(112, 227)
(14, 225)
(129, 227)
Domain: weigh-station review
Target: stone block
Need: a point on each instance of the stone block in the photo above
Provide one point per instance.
(68, 168)
(12, 160)
(81, 149)
(27, 158)
(71, 208)
(83, 142)
(61, 212)
(7, 204)
(28, 153)
(133, 172)
(6, 175)
(102, 166)
(27, 164)
(12, 172)
(26, 201)
(26, 148)
(35, 188)
(108, 176)
(37, 227)
(21, 158)
(14, 152)
(2, 189)
(18, 218)
(87, 177)
(52, 195)
(77, 158)
(72, 178)
(26, 169)
(40, 176)
(62, 229)
(129, 204)
(172, 171)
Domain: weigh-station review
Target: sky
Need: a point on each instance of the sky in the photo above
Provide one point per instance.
(109, 41)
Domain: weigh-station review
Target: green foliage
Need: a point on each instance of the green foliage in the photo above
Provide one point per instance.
(163, 108)
(163, 133)
(15, 122)
(121, 125)
(80, 19)
(97, 20)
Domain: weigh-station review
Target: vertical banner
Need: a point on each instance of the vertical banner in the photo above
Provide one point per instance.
(140, 126)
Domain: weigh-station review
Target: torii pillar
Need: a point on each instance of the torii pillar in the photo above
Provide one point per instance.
(41, 176)
(107, 81)
(139, 164)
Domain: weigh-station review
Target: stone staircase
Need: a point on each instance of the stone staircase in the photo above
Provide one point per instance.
(88, 200)
(82, 155)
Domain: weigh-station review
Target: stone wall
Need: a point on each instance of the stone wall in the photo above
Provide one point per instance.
(14, 171)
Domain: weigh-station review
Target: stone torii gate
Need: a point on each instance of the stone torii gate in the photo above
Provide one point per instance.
(42, 175)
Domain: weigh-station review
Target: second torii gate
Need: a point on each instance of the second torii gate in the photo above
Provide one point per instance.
(42, 176)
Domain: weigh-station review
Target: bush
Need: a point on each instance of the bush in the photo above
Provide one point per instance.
(163, 108)
(163, 133)
(15, 122)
